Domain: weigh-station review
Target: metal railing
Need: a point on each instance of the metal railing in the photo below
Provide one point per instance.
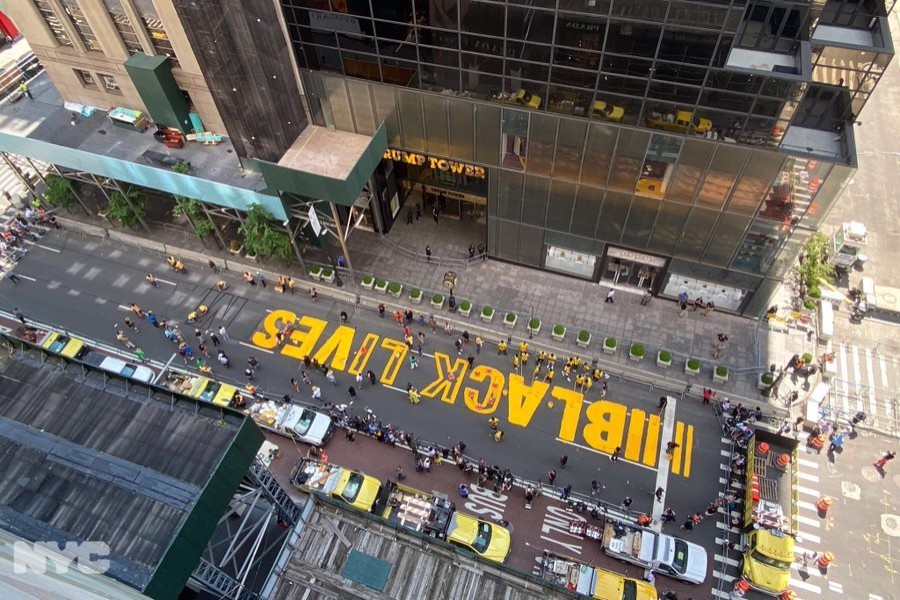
(444, 261)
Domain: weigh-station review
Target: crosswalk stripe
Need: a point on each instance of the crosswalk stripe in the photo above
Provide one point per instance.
(870, 374)
(842, 357)
(809, 537)
(723, 576)
(802, 585)
(809, 521)
(805, 462)
(807, 477)
(721, 594)
(808, 491)
(807, 506)
(857, 377)
(728, 561)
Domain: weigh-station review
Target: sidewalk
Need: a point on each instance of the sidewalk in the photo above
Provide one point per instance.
(554, 299)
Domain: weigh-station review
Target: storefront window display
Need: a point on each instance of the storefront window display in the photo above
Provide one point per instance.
(458, 189)
(633, 269)
(723, 296)
(570, 262)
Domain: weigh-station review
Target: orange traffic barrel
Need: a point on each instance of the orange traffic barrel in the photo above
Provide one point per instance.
(824, 504)
(825, 559)
(762, 448)
(817, 442)
(788, 595)
(783, 461)
(741, 585)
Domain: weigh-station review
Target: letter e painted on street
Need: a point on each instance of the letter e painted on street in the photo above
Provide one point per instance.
(494, 394)
(304, 338)
(524, 399)
(606, 424)
(266, 338)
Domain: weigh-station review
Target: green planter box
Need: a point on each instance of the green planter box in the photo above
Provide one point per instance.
(692, 366)
(558, 333)
(465, 308)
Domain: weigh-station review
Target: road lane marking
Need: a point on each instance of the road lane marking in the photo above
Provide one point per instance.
(252, 347)
(807, 477)
(870, 375)
(728, 561)
(857, 377)
(25, 277)
(589, 449)
(48, 248)
(842, 355)
(662, 475)
(808, 463)
(808, 521)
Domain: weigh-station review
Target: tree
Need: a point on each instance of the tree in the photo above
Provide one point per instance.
(261, 238)
(193, 209)
(814, 266)
(127, 208)
(59, 191)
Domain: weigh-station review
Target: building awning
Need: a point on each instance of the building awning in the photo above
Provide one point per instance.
(327, 164)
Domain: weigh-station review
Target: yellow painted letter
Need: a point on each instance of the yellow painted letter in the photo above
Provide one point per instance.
(266, 337)
(493, 395)
(606, 425)
(340, 343)
(395, 360)
(448, 378)
(524, 399)
(568, 425)
(303, 342)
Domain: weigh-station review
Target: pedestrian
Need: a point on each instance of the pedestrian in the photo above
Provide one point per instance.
(304, 377)
(614, 457)
(668, 515)
(471, 360)
(595, 487)
(23, 87)
(434, 214)
(565, 492)
(344, 317)
(360, 380)
(645, 298)
(314, 294)
(659, 493)
(551, 475)
(223, 359)
(140, 355)
(837, 443)
(370, 374)
(688, 524)
(352, 391)
(130, 324)
(223, 334)
(349, 435)
(626, 502)
(254, 364)
(563, 460)
(329, 375)
(708, 395)
(682, 308)
(381, 310)
(152, 280)
(481, 252)
(261, 278)
(663, 401)
(610, 297)
(720, 343)
(885, 457)
(151, 318)
(20, 315)
(413, 362)
(213, 338)
(710, 306)
(295, 385)
(249, 373)
(458, 344)
(137, 310)
(427, 253)
(212, 265)
(671, 447)
(316, 392)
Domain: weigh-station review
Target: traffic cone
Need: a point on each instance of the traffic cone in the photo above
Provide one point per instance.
(823, 505)
(825, 559)
(788, 595)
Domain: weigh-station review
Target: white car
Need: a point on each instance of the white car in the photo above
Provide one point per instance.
(682, 560)
(307, 425)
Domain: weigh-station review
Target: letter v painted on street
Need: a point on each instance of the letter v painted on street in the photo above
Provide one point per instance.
(448, 379)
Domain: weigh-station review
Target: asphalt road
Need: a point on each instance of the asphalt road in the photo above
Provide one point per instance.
(86, 286)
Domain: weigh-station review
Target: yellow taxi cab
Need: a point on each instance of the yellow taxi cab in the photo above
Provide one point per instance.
(612, 586)
(767, 561)
(608, 112)
(487, 540)
(358, 490)
(63, 345)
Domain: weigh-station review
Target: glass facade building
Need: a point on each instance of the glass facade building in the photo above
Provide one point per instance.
(663, 144)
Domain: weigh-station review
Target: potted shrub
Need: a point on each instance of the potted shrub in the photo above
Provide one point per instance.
(328, 275)
(558, 333)
(534, 326)
(765, 381)
(637, 352)
(609, 345)
(415, 296)
(487, 314)
(510, 320)
(437, 301)
(720, 374)
(315, 272)
(381, 286)
(394, 289)
(368, 282)
(664, 359)
(807, 358)
(234, 246)
(584, 338)
(465, 308)
(692, 366)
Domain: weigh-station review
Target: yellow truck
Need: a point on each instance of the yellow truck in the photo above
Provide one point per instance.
(681, 121)
(201, 388)
(356, 489)
(63, 345)
(770, 512)
(593, 582)
(437, 516)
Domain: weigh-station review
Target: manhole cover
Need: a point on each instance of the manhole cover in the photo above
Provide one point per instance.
(850, 490)
(871, 474)
(890, 524)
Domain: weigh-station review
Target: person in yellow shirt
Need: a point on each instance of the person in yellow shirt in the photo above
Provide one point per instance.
(502, 347)
(548, 378)
(523, 347)
(537, 371)
(579, 382)
(567, 370)
(551, 360)
(525, 359)
(516, 362)
(588, 384)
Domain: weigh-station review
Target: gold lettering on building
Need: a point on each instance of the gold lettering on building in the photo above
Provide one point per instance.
(441, 164)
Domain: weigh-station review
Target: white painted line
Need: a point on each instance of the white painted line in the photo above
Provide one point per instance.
(802, 585)
(808, 521)
(125, 308)
(165, 281)
(807, 506)
(809, 537)
(842, 356)
(257, 348)
(662, 474)
(725, 453)
(48, 248)
(874, 597)
(726, 441)
(857, 377)
(870, 377)
(808, 491)
(728, 561)
(807, 477)
(721, 594)
(807, 463)
(835, 586)
(723, 576)
(26, 277)
(604, 454)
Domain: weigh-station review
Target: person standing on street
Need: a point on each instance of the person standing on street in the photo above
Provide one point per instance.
(563, 461)
(223, 334)
(20, 315)
(610, 297)
(427, 253)
(434, 214)
(23, 87)
(551, 475)
(886, 456)
(614, 457)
